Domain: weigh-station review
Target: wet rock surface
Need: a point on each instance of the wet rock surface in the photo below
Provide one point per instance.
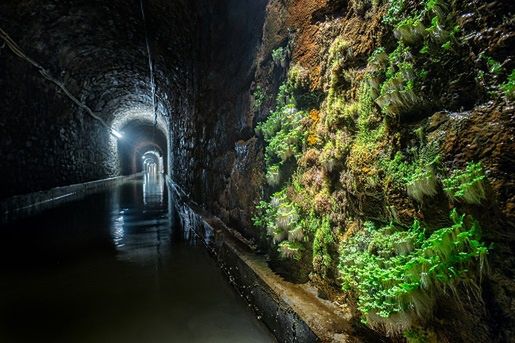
(463, 119)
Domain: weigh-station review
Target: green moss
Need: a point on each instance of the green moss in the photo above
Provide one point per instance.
(335, 151)
(322, 260)
(397, 93)
(285, 132)
(259, 98)
(415, 171)
(509, 86)
(291, 250)
(298, 77)
(494, 67)
(339, 49)
(410, 30)
(339, 112)
(467, 184)
(396, 273)
(279, 56)
(291, 229)
(393, 15)
(367, 145)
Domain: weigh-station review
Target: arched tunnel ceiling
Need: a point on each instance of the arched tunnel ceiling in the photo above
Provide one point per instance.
(98, 48)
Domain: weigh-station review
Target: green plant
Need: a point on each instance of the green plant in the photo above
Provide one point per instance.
(291, 250)
(259, 98)
(410, 30)
(285, 134)
(393, 15)
(509, 86)
(339, 49)
(322, 259)
(396, 273)
(377, 64)
(416, 170)
(290, 228)
(366, 147)
(339, 112)
(397, 94)
(278, 216)
(467, 185)
(423, 181)
(437, 32)
(422, 184)
(279, 56)
(494, 67)
(298, 77)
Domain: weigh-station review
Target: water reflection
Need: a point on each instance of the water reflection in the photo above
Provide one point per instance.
(112, 268)
(140, 230)
(153, 189)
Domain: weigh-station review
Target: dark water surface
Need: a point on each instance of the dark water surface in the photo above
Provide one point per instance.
(114, 267)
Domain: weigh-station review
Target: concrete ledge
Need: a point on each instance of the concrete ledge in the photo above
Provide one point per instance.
(22, 206)
(292, 312)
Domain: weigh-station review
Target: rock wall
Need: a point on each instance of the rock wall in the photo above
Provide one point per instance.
(216, 148)
(405, 107)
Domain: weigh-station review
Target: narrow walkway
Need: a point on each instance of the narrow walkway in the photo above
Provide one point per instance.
(115, 267)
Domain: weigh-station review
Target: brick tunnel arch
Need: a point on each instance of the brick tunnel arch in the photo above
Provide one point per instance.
(98, 51)
(152, 157)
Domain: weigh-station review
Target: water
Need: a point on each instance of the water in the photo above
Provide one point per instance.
(116, 267)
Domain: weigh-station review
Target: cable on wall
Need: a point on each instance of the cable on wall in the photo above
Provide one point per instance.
(46, 74)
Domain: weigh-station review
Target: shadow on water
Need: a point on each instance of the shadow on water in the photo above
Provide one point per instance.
(116, 267)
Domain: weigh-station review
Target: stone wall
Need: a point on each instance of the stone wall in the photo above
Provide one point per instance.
(462, 110)
(217, 145)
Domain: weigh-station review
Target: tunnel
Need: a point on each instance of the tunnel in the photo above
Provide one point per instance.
(133, 74)
(257, 171)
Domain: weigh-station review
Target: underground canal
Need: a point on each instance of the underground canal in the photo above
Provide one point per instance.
(116, 267)
(257, 170)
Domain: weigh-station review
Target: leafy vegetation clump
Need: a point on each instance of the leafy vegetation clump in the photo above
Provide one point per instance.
(279, 56)
(397, 273)
(428, 37)
(494, 66)
(291, 228)
(322, 259)
(278, 217)
(291, 250)
(285, 134)
(418, 177)
(395, 8)
(467, 185)
(398, 94)
(509, 86)
(259, 98)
